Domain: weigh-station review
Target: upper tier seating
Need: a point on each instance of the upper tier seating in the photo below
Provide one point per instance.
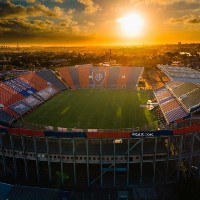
(34, 80)
(8, 95)
(50, 77)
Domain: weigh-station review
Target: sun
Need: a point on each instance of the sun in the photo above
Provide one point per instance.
(131, 24)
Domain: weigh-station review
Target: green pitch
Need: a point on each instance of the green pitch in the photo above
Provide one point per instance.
(95, 108)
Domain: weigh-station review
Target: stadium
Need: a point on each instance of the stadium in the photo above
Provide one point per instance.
(97, 127)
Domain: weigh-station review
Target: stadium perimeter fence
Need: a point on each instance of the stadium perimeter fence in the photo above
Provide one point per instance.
(34, 126)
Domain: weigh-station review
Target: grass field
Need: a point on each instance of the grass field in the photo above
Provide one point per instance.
(95, 108)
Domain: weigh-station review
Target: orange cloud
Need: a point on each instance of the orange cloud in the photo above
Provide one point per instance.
(187, 19)
(9, 10)
(90, 6)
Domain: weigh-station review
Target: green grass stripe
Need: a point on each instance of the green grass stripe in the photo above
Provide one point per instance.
(65, 110)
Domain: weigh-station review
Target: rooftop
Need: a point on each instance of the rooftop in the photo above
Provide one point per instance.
(183, 74)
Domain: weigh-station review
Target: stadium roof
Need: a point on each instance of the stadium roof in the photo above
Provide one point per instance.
(183, 74)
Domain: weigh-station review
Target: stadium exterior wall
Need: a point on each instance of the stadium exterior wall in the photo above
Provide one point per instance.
(98, 162)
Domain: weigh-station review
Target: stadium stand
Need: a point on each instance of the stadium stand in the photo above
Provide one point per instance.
(10, 112)
(180, 96)
(74, 76)
(34, 80)
(5, 117)
(192, 99)
(162, 94)
(170, 106)
(20, 86)
(83, 73)
(184, 88)
(32, 101)
(172, 84)
(134, 76)
(114, 75)
(99, 77)
(124, 75)
(20, 107)
(51, 78)
(188, 94)
(44, 94)
(8, 95)
(51, 90)
(175, 114)
(20, 94)
(66, 77)
(111, 77)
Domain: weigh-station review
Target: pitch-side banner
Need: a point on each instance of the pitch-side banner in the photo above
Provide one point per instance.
(135, 134)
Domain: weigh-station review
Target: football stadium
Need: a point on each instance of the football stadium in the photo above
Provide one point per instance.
(96, 127)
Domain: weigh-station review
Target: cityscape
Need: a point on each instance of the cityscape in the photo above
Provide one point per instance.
(99, 99)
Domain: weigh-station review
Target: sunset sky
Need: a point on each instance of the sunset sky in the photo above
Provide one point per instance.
(97, 22)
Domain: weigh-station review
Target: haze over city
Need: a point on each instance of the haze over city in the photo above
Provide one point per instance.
(98, 22)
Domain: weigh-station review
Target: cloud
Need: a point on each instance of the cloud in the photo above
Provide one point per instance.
(41, 32)
(164, 2)
(9, 10)
(72, 26)
(160, 2)
(29, 29)
(58, 1)
(25, 26)
(194, 20)
(36, 21)
(68, 22)
(70, 11)
(48, 22)
(30, 1)
(90, 6)
(90, 23)
(187, 19)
